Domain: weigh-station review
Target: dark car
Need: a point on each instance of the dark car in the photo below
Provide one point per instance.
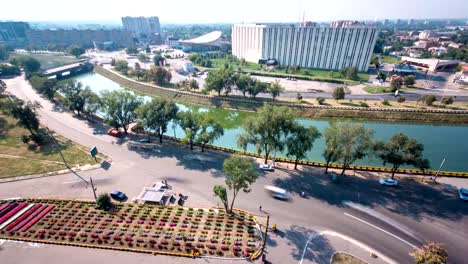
(118, 195)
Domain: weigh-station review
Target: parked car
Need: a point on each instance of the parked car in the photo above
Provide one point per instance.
(118, 195)
(388, 182)
(114, 132)
(266, 167)
(463, 194)
(277, 193)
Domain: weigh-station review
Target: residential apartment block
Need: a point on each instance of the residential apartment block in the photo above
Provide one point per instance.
(142, 27)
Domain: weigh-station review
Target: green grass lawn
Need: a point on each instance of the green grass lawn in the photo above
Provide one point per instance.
(49, 61)
(306, 73)
(343, 258)
(377, 89)
(389, 59)
(18, 158)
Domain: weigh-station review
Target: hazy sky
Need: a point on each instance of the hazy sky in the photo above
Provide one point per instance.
(214, 11)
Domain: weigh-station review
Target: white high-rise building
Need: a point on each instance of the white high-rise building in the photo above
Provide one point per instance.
(141, 26)
(309, 47)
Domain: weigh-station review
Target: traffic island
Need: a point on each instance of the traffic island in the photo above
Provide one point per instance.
(152, 229)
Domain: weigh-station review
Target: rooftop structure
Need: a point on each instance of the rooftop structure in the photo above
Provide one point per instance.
(212, 41)
(433, 65)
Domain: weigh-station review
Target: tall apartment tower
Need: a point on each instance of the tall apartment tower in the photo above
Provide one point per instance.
(141, 27)
(331, 48)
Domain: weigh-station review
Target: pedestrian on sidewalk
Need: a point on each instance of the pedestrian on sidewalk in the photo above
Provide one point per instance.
(260, 208)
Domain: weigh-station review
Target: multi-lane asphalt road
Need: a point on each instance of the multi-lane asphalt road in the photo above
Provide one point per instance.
(389, 220)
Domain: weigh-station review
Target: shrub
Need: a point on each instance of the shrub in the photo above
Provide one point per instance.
(104, 201)
(401, 99)
(409, 80)
(364, 104)
(385, 102)
(320, 100)
(428, 99)
(339, 93)
(447, 100)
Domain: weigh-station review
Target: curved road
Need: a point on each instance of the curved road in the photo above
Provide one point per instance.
(391, 221)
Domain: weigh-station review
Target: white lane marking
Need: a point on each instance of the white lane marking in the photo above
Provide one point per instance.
(71, 182)
(380, 229)
(349, 239)
(381, 217)
(11, 198)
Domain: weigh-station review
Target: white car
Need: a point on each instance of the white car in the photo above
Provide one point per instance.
(463, 194)
(266, 167)
(388, 182)
(277, 193)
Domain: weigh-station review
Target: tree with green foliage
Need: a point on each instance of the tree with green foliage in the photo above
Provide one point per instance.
(158, 60)
(45, 86)
(131, 50)
(300, 141)
(30, 65)
(191, 123)
(159, 75)
(268, 129)
(240, 175)
(349, 73)
(121, 66)
(7, 70)
(221, 192)
(332, 151)
(104, 202)
(243, 83)
(375, 61)
(156, 115)
(382, 76)
(142, 57)
(275, 89)
(76, 50)
(430, 253)
(92, 103)
(395, 84)
(26, 115)
(256, 88)
(210, 130)
(355, 143)
(409, 80)
(220, 80)
(400, 150)
(339, 93)
(119, 108)
(76, 97)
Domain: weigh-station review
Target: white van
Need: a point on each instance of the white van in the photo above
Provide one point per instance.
(277, 193)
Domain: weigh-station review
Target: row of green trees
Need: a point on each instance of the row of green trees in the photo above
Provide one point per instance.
(274, 130)
(157, 75)
(224, 80)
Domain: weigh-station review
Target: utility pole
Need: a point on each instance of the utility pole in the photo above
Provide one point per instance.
(94, 189)
(63, 158)
(440, 167)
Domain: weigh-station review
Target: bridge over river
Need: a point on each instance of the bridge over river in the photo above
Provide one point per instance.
(69, 70)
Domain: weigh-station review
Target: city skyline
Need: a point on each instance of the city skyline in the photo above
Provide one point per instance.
(234, 12)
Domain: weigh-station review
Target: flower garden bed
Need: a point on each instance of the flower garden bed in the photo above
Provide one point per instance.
(154, 229)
